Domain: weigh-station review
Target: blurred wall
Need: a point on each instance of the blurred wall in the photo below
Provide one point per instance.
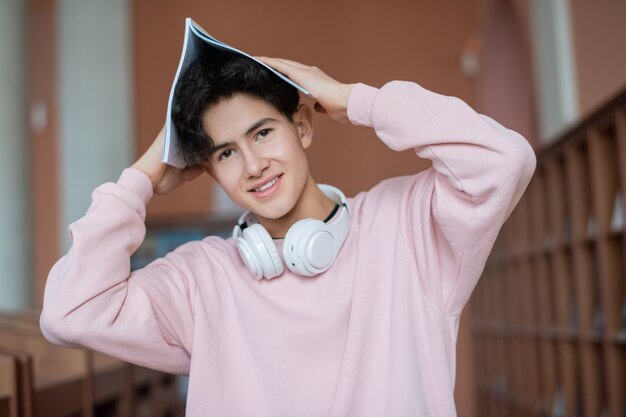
(504, 87)
(591, 72)
(599, 36)
(95, 100)
(43, 139)
(557, 96)
(15, 275)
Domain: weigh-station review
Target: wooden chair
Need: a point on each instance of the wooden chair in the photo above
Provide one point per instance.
(21, 378)
(56, 372)
(9, 391)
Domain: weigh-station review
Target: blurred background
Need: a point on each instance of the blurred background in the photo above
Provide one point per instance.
(83, 92)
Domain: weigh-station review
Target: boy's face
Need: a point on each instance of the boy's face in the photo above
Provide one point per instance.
(255, 145)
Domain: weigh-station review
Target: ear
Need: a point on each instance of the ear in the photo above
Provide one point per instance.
(303, 120)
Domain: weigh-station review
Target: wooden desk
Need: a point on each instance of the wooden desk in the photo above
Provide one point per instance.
(40, 379)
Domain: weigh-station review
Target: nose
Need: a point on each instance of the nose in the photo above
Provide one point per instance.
(255, 164)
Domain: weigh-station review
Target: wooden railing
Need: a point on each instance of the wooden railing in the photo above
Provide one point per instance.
(548, 316)
(38, 379)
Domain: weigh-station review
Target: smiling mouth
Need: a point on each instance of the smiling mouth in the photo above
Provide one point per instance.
(266, 186)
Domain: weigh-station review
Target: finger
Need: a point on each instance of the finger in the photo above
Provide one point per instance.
(271, 61)
(300, 75)
(294, 63)
(281, 62)
(274, 59)
(278, 65)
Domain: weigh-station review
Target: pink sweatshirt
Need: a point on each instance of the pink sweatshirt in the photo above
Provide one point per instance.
(374, 336)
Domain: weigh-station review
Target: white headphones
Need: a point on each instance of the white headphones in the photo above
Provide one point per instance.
(310, 246)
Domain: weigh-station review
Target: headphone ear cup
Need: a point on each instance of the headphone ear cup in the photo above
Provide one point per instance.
(309, 247)
(264, 250)
(290, 247)
(249, 258)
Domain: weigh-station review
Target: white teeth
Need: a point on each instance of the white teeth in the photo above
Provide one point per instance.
(266, 186)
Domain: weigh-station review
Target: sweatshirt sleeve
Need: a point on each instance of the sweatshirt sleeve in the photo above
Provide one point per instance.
(93, 300)
(454, 210)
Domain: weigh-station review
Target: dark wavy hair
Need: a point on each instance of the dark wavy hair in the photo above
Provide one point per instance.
(218, 76)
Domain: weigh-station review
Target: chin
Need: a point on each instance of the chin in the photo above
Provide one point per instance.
(271, 211)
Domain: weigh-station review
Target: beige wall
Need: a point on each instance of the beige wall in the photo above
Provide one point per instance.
(504, 88)
(599, 31)
(14, 175)
(599, 42)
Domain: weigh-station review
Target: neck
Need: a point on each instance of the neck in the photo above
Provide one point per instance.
(313, 203)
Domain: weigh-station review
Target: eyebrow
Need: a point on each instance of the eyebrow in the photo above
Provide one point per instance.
(251, 129)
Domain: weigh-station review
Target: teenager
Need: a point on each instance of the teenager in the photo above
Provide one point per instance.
(360, 318)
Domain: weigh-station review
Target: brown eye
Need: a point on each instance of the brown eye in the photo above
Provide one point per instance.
(226, 154)
(264, 132)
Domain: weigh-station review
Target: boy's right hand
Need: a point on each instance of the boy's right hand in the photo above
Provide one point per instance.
(164, 177)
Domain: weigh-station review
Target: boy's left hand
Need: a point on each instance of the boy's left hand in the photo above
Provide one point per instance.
(331, 95)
